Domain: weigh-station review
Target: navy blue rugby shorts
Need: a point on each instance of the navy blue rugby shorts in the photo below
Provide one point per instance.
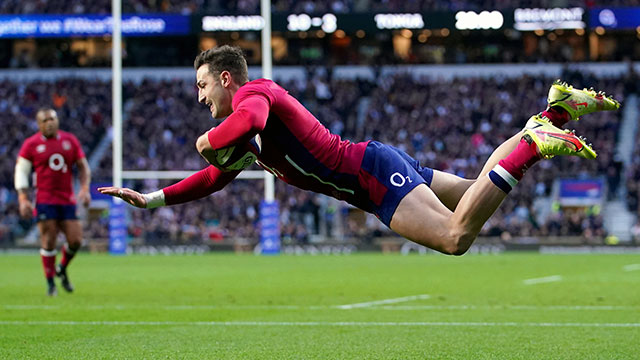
(389, 175)
(55, 212)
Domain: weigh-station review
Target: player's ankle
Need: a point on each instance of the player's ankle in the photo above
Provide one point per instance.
(557, 115)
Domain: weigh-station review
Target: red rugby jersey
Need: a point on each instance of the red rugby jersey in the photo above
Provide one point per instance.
(296, 147)
(52, 161)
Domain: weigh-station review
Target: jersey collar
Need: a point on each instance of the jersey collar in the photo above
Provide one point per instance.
(44, 138)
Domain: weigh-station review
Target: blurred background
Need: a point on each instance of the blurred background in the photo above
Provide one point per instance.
(446, 81)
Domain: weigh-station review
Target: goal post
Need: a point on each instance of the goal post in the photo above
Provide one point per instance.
(269, 213)
(117, 215)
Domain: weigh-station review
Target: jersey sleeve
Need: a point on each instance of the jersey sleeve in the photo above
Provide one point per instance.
(76, 144)
(251, 110)
(203, 183)
(26, 150)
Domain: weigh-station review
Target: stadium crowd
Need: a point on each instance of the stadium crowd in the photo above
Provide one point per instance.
(98, 6)
(296, 6)
(449, 125)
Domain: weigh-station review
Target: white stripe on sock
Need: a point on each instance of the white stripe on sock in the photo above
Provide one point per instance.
(44, 252)
(505, 175)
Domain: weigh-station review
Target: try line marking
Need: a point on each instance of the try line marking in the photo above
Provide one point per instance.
(383, 302)
(318, 323)
(546, 279)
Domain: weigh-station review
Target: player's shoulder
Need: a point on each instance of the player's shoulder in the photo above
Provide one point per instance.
(35, 138)
(29, 146)
(65, 135)
(260, 87)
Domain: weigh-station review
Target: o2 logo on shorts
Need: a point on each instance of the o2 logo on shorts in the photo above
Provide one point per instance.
(399, 180)
(56, 163)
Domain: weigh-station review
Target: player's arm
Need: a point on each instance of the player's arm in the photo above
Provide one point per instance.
(201, 184)
(21, 183)
(246, 121)
(84, 176)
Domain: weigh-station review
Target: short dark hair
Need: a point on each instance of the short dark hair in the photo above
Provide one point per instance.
(225, 57)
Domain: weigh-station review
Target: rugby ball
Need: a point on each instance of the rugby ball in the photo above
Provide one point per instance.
(238, 157)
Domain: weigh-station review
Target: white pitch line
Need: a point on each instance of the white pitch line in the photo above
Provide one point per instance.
(383, 302)
(508, 307)
(165, 307)
(327, 307)
(316, 323)
(546, 279)
(631, 267)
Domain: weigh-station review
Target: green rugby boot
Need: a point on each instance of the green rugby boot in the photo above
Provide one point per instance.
(552, 141)
(580, 102)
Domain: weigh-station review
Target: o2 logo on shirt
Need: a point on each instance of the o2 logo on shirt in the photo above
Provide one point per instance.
(56, 163)
(399, 180)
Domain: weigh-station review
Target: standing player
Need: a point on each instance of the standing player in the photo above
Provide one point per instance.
(52, 152)
(433, 208)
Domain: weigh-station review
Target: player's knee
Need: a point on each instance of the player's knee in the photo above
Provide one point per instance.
(460, 242)
(74, 245)
(48, 242)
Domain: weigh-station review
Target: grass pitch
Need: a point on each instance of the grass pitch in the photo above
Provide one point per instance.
(363, 306)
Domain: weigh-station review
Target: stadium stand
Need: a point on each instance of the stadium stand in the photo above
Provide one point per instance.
(98, 6)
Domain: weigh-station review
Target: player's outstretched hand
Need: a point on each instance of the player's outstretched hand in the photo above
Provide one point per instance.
(131, 196)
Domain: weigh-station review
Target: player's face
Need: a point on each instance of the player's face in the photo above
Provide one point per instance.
(213, 91)
(48, 123)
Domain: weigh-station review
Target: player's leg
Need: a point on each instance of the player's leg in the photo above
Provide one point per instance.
(453, 233)
(72, 229)
(564, 103)
(556, 115)
(48, 235)
(449, 188)
(500, 153)
(422, 218)
(401, 191)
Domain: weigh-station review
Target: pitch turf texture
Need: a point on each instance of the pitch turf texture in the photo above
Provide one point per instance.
(363, 306)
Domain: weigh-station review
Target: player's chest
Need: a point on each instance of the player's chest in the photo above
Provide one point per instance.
(53, 153)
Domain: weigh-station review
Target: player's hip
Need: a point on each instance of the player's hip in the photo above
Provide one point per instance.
(55, 196)
(55, 212)
(387, 174)
(376, 184)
